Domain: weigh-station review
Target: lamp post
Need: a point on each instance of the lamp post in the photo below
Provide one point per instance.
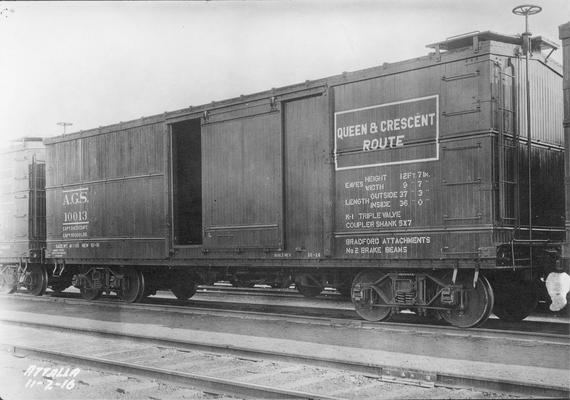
(65, 125)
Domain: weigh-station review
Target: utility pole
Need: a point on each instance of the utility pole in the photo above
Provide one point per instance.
(65, 125)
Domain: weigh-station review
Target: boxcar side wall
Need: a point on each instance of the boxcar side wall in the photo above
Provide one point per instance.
(106, 196)
(429, 179)
(408, 165)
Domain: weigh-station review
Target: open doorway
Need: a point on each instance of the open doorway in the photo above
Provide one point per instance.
(187, 182)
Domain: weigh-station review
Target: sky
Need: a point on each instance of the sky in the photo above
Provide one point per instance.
(97, 63)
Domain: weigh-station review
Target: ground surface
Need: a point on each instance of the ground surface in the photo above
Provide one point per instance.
(528, 360)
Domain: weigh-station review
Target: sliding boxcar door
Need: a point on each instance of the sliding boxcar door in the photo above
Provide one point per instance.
(242, 181)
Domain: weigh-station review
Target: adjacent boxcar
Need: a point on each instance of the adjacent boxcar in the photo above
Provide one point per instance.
(22, 215)
(558, 281)
(404, 185)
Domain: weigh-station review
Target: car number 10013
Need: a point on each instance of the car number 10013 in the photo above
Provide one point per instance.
(75, 216)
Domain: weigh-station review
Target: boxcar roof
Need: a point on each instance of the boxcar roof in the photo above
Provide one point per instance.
(455, 42)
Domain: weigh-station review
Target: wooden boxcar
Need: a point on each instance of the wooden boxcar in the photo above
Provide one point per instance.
(558, 281)
(403, 185)
(22, 214)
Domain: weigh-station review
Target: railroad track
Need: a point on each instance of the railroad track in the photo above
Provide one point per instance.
(237, 371)
(549, 331)
(327, 295)
(331, 309)
(335, 305)
(379, 371)
(118, 354)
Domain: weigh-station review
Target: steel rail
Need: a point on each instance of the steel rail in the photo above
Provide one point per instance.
(388, 373)
(281, 292)
(202, 382)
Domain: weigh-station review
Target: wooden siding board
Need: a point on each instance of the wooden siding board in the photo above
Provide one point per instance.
(307, 174)
(463, 98)
(547, 174)
(546, 104)
(467, 181)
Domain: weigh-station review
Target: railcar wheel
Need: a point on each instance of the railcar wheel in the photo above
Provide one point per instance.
(183, 291)
(36, 280)
(132, 287)
(478, 306)
(8, 280)
(515, 302)
(90, 294)
(308, 286)
(490, 304)
(370, 294)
